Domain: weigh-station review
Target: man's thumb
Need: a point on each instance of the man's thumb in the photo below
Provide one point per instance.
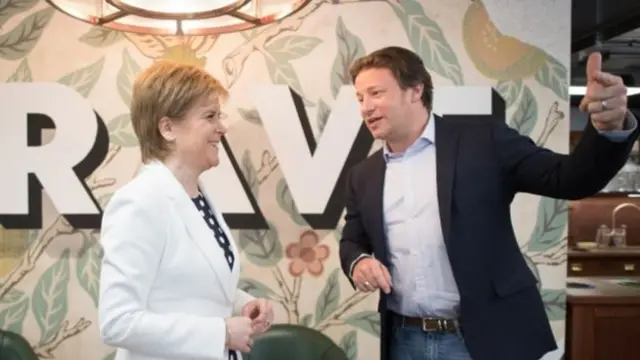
(594, 66)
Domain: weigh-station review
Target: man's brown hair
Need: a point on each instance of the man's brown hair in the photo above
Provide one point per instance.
(167, 88)
(405, 65)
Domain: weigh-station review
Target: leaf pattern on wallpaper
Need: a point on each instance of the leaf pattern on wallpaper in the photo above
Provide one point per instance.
(553, 75)
(261, 247)
(428, 40)
(292, 47)
(350, 47)
(337, 232)
(13, 310)
(257, 39)
(202, 44)
(509, 90)
(256, 288)
(99, 37)
(250, 173)
(153, 46)
(104, 199)
(550, 224)
(50, 302)
(127, 74)
(121, 132)
(251, 115)
(286, 202)
(278, 56)
(525, 117)
(533, 267)
(329, 297)
(349, 344)
(33, 236)
(84, 79)
(19, 41)
(9, 8)
(555, 303)
(306, 320)
(366, 320)
(22, 73)
(322, 116)
(283, 73)
(88, 267)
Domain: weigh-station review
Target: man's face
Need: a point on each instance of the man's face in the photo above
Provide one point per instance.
(383, 104)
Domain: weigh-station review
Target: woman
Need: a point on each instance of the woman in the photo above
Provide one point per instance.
(168, 284)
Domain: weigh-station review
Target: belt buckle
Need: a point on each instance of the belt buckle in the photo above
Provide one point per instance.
(424, 325)
(440, 324)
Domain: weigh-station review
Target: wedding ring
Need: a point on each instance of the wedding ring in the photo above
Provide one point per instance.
(604, 105)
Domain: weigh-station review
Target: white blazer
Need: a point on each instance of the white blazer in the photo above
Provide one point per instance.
(165, 286)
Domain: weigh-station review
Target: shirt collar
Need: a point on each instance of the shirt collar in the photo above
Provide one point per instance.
(427, 136)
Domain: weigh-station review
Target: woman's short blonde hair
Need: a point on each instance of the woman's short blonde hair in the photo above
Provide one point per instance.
(167, 88)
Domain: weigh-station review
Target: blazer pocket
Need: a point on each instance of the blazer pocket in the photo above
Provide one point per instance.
(510, 281)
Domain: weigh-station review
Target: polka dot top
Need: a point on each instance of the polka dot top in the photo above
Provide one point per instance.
(221, 237)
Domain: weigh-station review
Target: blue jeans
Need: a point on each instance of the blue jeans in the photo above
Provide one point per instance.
(410, 342)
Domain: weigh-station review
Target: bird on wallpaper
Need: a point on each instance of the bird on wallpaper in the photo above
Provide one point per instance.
(495, 55)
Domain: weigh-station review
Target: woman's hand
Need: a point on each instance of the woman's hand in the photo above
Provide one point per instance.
(239, 331)
(260, 312)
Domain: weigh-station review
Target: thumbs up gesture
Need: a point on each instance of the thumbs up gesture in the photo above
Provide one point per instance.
(605, 98)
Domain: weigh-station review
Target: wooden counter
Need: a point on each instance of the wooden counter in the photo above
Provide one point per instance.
(603, 321)
(604, 262)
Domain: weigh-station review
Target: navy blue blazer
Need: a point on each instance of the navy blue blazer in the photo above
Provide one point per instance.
(481, 165)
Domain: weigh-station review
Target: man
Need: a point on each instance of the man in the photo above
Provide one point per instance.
(428, 220)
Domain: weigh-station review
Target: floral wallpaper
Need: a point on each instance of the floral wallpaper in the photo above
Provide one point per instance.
(49, 276)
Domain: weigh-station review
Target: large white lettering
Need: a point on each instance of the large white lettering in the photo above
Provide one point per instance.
(315, 173)
(232, 192)
(57, 165)
(224, 185)
(465, 100)
(311, 175)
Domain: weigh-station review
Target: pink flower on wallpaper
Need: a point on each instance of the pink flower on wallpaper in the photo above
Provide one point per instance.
(307, 254)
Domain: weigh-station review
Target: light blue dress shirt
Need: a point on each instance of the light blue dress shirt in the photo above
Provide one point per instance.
(423, 282)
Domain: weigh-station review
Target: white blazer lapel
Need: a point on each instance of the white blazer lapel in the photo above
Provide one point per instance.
(200, 233)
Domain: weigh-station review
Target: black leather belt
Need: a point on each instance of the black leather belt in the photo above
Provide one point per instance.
(430, 324)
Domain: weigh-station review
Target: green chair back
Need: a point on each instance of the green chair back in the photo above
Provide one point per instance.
(15, 347)
(295, 342)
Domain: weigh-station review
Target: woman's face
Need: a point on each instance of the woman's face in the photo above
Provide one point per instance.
(196, 138)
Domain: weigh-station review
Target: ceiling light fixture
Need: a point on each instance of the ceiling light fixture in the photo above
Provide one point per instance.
(582, 90)
(179, 17)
